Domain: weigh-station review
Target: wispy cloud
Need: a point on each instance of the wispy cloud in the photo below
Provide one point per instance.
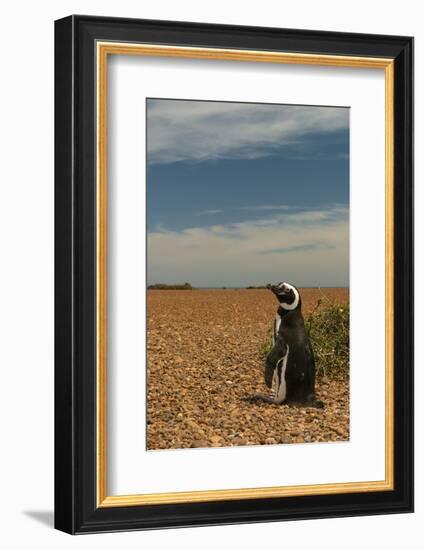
(211, 212)
(200, 130)
(267, 207)
(298, 248)
(308, 248)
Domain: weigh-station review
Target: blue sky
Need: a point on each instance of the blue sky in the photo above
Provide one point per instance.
(244, 194)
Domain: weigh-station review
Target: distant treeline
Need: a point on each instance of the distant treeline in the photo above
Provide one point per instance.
(255, 287)
(160, 286)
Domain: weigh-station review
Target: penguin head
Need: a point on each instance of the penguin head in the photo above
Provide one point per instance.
(287, 295)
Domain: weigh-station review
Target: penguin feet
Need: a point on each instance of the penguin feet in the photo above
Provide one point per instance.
(259, 397)
(252, 398)
(248, 398)
(312, 401)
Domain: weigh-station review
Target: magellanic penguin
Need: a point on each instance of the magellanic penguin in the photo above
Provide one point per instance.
(291, 361)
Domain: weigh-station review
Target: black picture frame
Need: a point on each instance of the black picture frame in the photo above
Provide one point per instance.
(76, 509)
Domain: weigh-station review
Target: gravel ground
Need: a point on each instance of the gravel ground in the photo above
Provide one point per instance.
(204, 356)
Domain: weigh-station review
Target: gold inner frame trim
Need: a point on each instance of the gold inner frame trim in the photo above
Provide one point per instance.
(103, 49)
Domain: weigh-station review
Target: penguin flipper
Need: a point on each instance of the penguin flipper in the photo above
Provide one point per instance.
(269, 373)
(277, 352)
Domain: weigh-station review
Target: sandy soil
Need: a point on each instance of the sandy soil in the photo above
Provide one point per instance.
(204, 356)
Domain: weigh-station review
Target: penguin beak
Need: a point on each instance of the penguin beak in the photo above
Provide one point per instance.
(273, 288)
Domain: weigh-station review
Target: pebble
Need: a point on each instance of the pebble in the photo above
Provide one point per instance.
(239, 441)
(197, 443)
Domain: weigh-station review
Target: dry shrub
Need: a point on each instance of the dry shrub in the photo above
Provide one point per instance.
(328, 328)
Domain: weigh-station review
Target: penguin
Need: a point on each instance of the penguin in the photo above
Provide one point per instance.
(291, 362)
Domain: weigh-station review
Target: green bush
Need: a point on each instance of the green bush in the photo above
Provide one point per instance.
(328, 328)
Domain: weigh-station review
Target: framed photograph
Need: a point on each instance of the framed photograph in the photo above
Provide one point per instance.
(234, 269)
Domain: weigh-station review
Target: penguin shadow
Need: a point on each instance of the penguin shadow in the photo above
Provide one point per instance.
(265, 401)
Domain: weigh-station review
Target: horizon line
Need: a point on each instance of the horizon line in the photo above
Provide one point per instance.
(246, 287)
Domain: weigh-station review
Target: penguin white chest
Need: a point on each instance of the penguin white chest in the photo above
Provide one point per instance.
(277, 324)
(280, 378)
